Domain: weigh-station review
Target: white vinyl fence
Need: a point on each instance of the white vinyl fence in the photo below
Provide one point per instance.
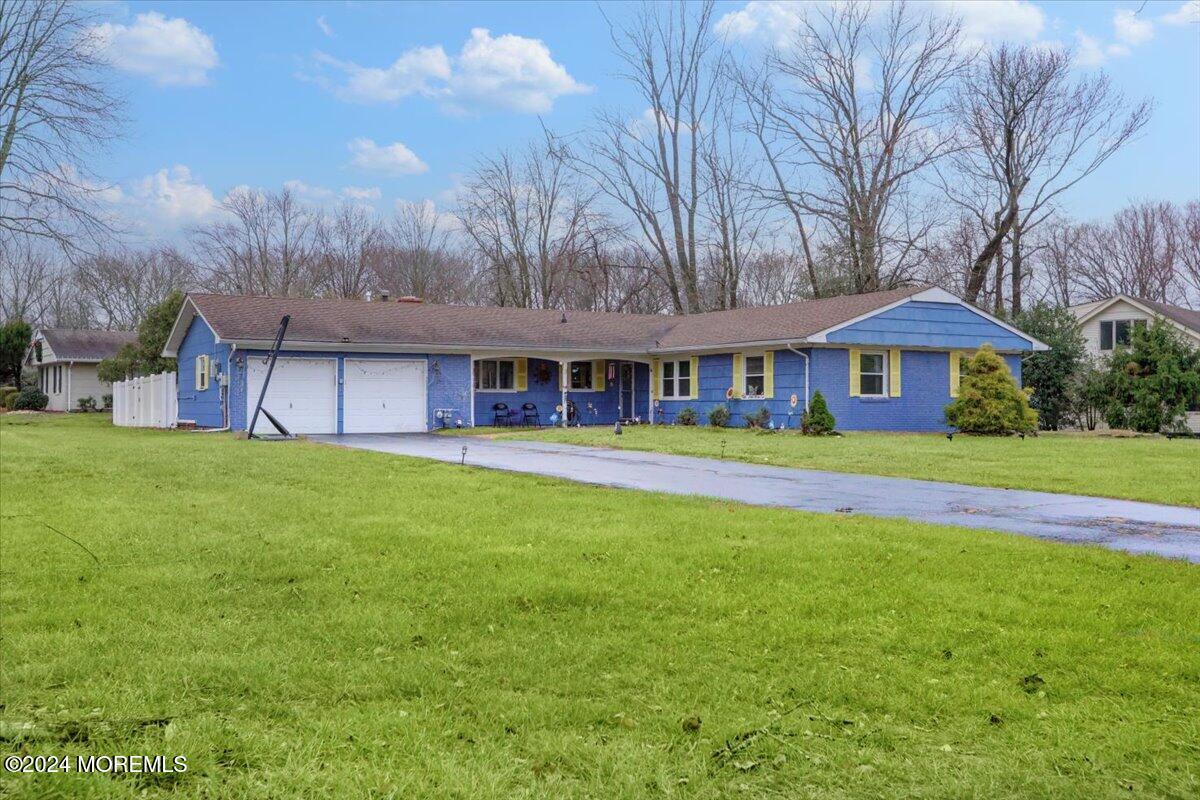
(149, 402)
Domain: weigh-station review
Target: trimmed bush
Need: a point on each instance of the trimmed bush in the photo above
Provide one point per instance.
(718, 417)
(87, 404)
(106, 399)
(989, 400)
(817, 421)
(758, 419)
(5, 391)
(10, 402)
(31, 400)
(686, 416)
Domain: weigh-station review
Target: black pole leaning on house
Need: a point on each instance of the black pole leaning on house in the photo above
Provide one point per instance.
(283, 325)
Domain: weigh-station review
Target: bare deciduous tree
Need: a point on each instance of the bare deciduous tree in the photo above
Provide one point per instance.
(263, 245)
(858, 109)
(120, 287)
(345, 243)
(1136, 253)
(418, 257)
(55, 111)
(1032, 131)
(652, 165)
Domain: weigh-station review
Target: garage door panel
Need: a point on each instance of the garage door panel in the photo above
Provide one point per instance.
(384, 396)
(302, 394)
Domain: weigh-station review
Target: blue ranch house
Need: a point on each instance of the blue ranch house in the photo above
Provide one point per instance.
(884, 361)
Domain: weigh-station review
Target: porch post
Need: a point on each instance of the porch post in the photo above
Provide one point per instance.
(563, 377)
(650, 387)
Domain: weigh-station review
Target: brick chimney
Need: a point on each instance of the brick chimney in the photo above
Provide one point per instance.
(410, 298)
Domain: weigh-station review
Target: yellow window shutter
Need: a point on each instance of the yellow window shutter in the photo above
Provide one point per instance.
(894, 369)
(855, 373)
(769, 373)
(522, 369)
(955, 355)
(655, 378)
(695, 373)
(739, 372)
(598, 375)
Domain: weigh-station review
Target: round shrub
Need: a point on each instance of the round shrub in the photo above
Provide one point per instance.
(758, 419)
(10, 401)
(686, 416)
(989, 400)
(718, 417)
(31, 400)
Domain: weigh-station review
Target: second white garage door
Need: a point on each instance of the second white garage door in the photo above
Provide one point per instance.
(384, 396)
(302, 394)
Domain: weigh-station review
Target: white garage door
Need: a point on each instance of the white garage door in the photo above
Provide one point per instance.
(384, 396)
(302, 394)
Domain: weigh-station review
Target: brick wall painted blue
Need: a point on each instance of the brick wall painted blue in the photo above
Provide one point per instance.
(448, 382)
(716, 376)
(546, 395)
(921, 324)
(202, 407)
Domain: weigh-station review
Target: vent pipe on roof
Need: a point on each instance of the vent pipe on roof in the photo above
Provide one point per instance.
(384, 295)
(411, 298)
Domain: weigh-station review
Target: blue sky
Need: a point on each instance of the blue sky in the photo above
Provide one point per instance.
(385, 102)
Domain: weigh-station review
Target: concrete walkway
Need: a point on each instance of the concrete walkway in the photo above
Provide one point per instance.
(1171, 531)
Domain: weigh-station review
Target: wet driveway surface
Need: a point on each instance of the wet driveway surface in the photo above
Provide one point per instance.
(1171, 531)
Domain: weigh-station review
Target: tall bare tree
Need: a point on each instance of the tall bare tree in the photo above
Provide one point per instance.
(856, 108)
(120, 287)
(652, 164)
(1136, 253)
(345, 242)
(263, 244)
(418, 257)
(1032, 130)
(527, 218)
(55, 112)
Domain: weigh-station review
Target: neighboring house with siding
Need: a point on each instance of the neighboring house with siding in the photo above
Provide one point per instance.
(887, 361)
(66, 360)
(1108, 324)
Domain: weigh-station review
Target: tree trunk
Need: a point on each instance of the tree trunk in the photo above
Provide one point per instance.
(998, 278)
(1017, 268)
(979, 269)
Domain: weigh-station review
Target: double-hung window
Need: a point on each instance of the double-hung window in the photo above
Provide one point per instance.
(201, 373)
(582, 377)
(872, 370)
(755, 377)
(1117, 332)
(676, 379)
(495, 375)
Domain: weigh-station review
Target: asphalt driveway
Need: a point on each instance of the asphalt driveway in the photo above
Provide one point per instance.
(1171, 531)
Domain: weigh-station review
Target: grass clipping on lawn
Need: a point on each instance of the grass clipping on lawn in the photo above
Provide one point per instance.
(302, 620)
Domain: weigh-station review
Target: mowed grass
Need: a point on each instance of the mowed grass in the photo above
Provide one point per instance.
(1150, 468)
(307, 621)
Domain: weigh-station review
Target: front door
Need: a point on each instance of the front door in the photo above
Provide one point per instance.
(625, 401)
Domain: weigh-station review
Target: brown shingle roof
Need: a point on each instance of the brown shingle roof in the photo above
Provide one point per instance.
(1184, 316)
(73, 344)
(361, 322)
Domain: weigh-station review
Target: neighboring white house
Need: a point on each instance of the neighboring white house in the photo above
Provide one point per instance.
(66, 360)
(1108, 323)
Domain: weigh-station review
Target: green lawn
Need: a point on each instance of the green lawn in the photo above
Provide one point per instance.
(303, 620)
(1143, 468)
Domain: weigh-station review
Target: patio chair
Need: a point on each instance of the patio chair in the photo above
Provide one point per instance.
(530, 415)
(502, 415)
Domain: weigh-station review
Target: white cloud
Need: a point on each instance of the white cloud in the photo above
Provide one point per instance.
(1130, 29)
(414, 72)
(161, 204)
(325, 27)
(361, 193)
(393, 159)
(1186, 14)
(1089, 52)
(508, 72)
(776, 21)
(172, 52)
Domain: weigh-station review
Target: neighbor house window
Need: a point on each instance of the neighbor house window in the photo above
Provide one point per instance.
(201, 373)
(1117, 332)
(755, 380)
(495, 375)
(581, 375)
(871, 371)
(676, 379)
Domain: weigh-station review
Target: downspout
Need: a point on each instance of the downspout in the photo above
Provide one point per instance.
(805, 357)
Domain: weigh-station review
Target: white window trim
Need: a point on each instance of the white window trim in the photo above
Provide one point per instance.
(884, 394)
(202, 368)
(1115, 344)
(567, 377)
(662, 379)
(512, 361)
(746, 374)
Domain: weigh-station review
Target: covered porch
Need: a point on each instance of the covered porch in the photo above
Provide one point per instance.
(550, 388)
